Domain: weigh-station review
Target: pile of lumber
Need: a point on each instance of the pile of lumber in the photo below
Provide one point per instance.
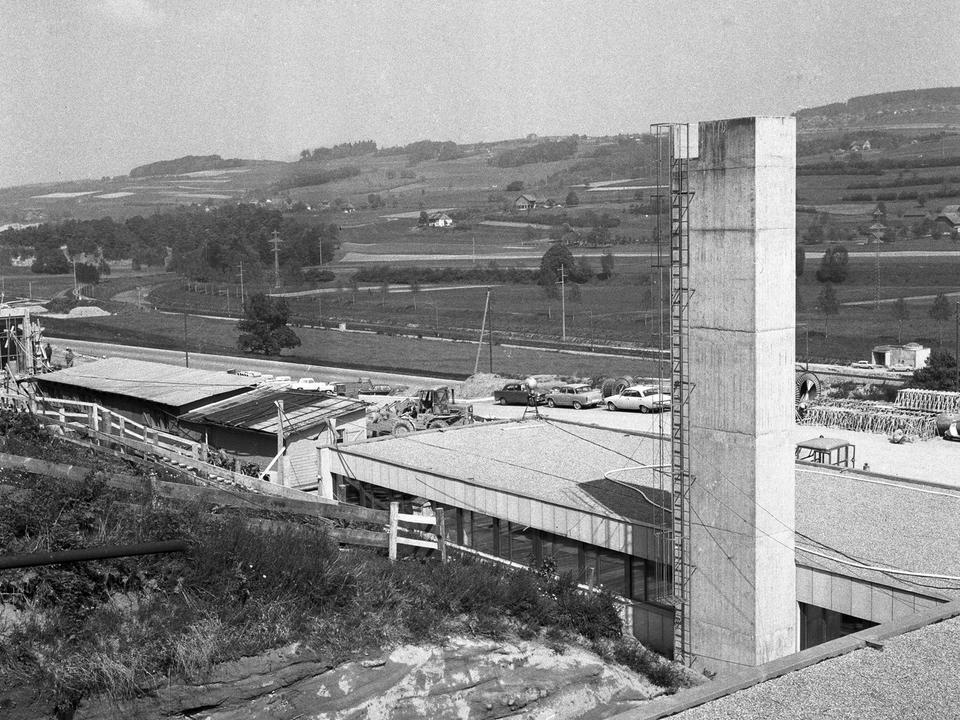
(872, 417)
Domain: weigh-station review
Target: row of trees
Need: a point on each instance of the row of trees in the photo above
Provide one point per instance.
(343, 150)
(202, 244)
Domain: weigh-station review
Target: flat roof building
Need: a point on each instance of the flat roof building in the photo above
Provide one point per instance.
(591, 499)
(149, 392)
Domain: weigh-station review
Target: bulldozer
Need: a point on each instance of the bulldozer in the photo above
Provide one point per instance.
(430, 409)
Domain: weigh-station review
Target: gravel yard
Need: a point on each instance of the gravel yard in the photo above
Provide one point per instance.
(915, 675)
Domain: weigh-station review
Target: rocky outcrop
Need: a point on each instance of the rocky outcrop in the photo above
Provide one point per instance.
(464, 678)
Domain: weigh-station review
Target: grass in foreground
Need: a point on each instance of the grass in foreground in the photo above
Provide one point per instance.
(119, 627)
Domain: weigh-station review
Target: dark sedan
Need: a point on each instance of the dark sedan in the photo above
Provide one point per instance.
(517, 394)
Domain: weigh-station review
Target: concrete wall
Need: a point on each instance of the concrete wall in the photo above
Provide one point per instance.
(859, 598)
(742, 324)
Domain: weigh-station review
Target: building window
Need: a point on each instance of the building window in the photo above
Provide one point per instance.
(483, 533)
(503, 539)
(565, 553)
(522, 545)
(659, 578)
(612, 573)
(819, 625)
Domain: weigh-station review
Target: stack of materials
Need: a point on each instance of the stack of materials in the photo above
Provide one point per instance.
(937, 401)
(872, 417)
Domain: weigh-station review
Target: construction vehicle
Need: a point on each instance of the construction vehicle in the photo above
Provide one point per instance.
(432, 408)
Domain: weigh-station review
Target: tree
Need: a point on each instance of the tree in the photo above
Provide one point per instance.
(901, 312)
(424, 218)
(606, 265)
(940, 373)
(87, 274)
(50, 260)
(263, 328)
(833, 265)
(814, 234)
(515, 186)
(572, 199)
(414, 291)
(553, 259)
(940, 311)
(827, 302)
(583, 270)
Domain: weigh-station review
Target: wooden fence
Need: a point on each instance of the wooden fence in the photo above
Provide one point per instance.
(392, 534)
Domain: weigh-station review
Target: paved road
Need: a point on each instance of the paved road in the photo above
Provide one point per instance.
(884, 301)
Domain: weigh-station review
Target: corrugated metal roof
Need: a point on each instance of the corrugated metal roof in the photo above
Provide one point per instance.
(550, 461)
(255, 410)
(156, 382)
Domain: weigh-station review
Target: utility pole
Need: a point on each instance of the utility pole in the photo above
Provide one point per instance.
(186, 352)
(956, 348)
(280, 442)
(275, 240)
(563, 301)
(490, 335)
(76, 289)
(241, 284)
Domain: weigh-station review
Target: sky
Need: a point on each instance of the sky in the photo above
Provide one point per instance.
(90, 88)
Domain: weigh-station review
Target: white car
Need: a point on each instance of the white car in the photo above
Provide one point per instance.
(645, 398)
(309, 383)
(863, 365)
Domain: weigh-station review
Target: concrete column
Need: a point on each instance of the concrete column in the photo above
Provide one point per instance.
(742, 322)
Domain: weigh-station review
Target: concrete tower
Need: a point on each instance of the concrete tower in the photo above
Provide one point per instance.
(743, 607)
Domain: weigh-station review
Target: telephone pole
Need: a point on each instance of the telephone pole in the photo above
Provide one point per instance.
(275, 240)
(563, 301)
(490, 336)
(241, 284)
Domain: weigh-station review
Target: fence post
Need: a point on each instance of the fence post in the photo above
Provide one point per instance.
(394, 510)
(107, 422)
(62, 416)
(442, 534)
(123, 427)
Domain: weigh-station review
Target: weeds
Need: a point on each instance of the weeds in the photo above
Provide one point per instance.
(116, 626)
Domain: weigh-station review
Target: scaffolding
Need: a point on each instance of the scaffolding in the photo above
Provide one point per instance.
(673, 172)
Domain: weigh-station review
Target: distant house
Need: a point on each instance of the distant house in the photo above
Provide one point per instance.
(526, 201)
(914, 214)
(949, 218)
(439, 219)
(912, 355)
(865, 146)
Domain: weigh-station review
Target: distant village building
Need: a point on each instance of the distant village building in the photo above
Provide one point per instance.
(439, 219)
(912, 355)
(949, 218)
(527, 202)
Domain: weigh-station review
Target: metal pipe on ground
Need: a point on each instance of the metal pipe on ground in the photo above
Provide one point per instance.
(100, 553)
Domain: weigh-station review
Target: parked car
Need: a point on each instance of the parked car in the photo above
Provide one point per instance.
(863, 365)
(901, 369)
(309, 383)
(518, 394)
(575, 396)
(645, 398)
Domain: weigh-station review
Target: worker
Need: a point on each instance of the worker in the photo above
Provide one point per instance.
(68, 357)
(48, 353)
